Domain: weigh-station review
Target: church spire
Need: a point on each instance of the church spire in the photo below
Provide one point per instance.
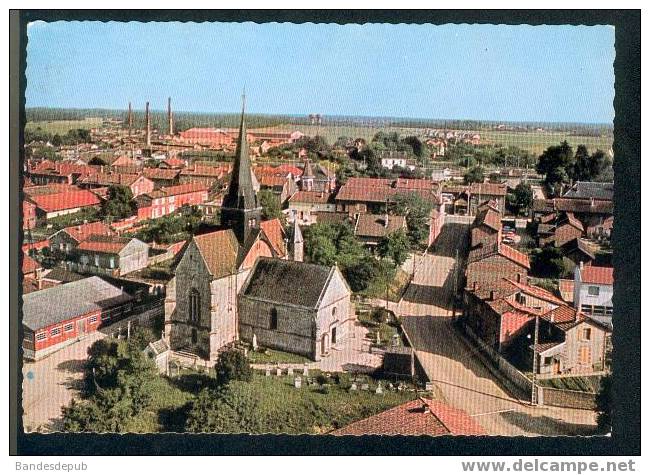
(241, 193)
(240, 211)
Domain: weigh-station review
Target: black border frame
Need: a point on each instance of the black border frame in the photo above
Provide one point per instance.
(626, 436)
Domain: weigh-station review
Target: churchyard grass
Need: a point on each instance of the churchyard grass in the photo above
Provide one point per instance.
(268, 356)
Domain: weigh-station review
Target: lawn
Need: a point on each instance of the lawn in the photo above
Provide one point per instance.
(62, 127)
(535, 142)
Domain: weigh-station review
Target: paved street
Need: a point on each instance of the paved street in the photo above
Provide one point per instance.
(452, 365)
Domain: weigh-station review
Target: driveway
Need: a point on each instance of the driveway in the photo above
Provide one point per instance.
(453, 366)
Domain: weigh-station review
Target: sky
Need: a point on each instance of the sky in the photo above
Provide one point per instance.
(479, 72)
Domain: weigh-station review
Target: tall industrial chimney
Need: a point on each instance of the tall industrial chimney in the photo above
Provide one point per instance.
(170, 116)
(148, 124)
(130, 118)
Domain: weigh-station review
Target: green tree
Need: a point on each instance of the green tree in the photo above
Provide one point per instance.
(557, 164)
(474, 175)
(549, 262)
(417, 211)
(362, 273)
(270, 205)
(521, 199)
(232, 365)
(604, 404)
(396, 246)
(419, 149)
(119, 203)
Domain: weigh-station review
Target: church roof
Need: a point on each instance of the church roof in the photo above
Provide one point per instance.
(241, 193)
(220, 251)
(275, 280)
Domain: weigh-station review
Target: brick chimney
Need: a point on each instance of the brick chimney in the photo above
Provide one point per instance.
(147, 124)
(491, 294)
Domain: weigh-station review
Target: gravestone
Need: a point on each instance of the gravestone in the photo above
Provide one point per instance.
(254, 342)
(305, 370)
(297, 382)
(428, 386)
(379, 390)
(290, 371)
(267, 372)
(365, 387)
(278, 371)
(353, 387)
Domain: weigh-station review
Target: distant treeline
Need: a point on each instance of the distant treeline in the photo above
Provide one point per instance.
(186, 120)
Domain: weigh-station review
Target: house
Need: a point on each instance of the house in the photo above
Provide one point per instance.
(588, 190)
(370, 229)
(61, 200)
(482, 192)
(29, 213)
(66, 240)
(110, 255)
(138, 184)
(393, 158)
(486, 228)
(492, 262)
(361, 195)
(596, 216)
(570, 342)
(162, 176)
(281, 186)
(499, 311)
(210, 137)
(81, 308)
(206, 174)
(559, 230)
(593, 290)
(317, 178)
(309, 320)
(436, 222)
(421, 416)
(576, 251)
(306, 205)
(168, 199)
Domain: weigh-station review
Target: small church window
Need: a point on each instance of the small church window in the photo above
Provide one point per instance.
(195, 305)
(334, 311)
(273, 325)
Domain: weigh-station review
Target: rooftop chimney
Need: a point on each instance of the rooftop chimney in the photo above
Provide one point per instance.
(148, 124)
(491, 294)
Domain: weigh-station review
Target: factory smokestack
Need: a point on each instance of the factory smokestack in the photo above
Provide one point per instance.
(130, 118)
(148, 124)
(170, 116)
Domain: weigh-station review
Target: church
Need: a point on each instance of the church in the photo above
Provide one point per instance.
(202, 305)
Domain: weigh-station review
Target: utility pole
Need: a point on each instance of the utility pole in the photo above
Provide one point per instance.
(533, 392)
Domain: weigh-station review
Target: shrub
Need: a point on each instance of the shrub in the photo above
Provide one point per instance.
(232, 365)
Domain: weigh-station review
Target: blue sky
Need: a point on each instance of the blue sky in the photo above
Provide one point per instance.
(482, 72)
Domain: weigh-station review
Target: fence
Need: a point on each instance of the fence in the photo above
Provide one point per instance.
(566, 398)
(512, 374)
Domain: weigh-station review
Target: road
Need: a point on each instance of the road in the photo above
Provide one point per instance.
(451, 363)
(52, 382)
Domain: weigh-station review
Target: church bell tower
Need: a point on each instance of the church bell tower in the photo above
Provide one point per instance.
(241, 211)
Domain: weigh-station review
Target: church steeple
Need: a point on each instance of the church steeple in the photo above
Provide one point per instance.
(240, 210)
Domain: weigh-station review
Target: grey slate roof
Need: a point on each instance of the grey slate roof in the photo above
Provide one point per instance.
(288, 282)
(588, 189)
(63, 302)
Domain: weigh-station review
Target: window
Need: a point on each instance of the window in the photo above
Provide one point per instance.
(598, 310)
(273, 324)
(92, 319)
(593, 290)
(520, 298)
(55, 331)
(195, 306)
(586, 334)
(609, 310)
(548, 360)
(96, 260)
(111, 262)
(106, 316)
(334, 311)
(29, 337)
(586, 309)
(68, 327)
(195, 336)
(41, 336)
(584, 355)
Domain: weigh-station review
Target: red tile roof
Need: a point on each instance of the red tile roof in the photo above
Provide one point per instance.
(219, 250)
(504, 250)
(566, 289)
(492, 189)
(184, 189)
(379, 190)
(275, 233)
(104, 244)
(160, 173)
(311, 197)
(74, 198)
(597, 275)
(83, 231)
(537, 292)
(30, 265)
(374, 225)
(417, 417)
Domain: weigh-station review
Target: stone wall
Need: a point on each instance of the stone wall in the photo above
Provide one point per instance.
(566, 398)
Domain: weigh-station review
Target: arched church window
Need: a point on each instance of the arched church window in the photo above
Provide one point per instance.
(334, 311)
(195, 306)
(273, 325)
